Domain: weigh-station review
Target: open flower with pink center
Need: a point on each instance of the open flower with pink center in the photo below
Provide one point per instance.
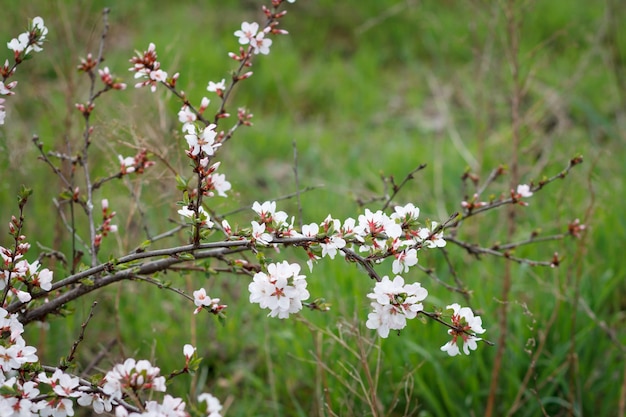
(393, 303)
(247, 32)
(281, 290)
(466, 326)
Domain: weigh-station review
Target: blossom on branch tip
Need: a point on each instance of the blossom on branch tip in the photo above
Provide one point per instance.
(466, 326)
(31, 40)
(405, 213)
(127, 164)
(523, 190)
(188, 351)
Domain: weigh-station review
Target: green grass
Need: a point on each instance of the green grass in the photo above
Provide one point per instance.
(353, 85)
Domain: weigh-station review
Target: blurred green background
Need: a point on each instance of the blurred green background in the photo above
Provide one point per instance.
(364, 88)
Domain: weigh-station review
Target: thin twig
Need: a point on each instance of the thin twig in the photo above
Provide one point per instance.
(478, 250)
(396, 189)
(297, 180)
(280, 198)
(81, 336)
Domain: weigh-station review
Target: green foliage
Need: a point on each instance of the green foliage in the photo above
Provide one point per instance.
(359, 86)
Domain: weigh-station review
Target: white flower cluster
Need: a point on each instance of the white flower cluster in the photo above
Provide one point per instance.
(25, 393)
(281, 290)
(145, 65)
(25, 43)
(394, 303)
(32, 40)
(466, 326)
(16, 271)
(249, 34)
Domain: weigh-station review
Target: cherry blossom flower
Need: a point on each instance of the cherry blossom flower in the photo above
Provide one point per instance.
(218, 183)
(188, 351)
(226, 228)
(203, 142)
(261, 44)
(133, 375)
(217, 87)
(281, 289)
(310, 230)
(41, 279)
(40, 31)
(5, 90)
(247, 32)
(431, 240)
(23, 353)
(20, 43)
(186, 116)
(523, 190)
(58, 407)
(394, 302)
(259, 235)
(466, 327)
(213, 406)
(201, 299)
(146, 66)
(205, 219)
(405, 213)
(100, 403)
(127, 164)
(332, 245)
(275, 220)
(379, 223)
(404, 260)
(23, 296)
(376, 229)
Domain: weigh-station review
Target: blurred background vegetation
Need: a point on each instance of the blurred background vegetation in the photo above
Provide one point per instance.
(365, 88)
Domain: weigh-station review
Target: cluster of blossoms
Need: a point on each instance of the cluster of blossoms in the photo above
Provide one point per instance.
(394, 302)
(249, 34)
(202, 300)
(138, 163)
(24, 44)
(466, 326)
(106, 227)
(379, 235)
(281, 290)
(54, 392)
(145, 65)
(399, 236)
(15, 270)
